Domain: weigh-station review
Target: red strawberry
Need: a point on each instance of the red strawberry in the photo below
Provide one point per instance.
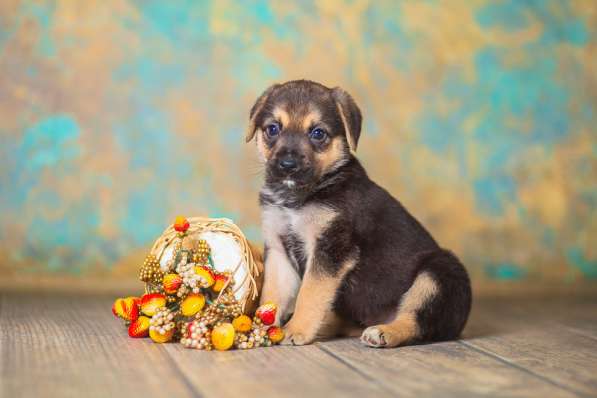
(126, 308)
(140, 327)
(267, 313)
(150, 303)
(181, 224)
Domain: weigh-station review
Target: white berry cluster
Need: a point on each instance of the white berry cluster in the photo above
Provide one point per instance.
(198, 336)
(190, 279)
(162, 321)
(256, 337)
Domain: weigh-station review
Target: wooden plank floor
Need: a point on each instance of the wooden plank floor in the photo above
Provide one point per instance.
(67, 346)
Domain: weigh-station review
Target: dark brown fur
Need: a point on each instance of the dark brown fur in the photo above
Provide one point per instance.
(363, 260)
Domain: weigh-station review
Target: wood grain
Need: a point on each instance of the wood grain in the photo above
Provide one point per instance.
(64, 346)
(305, 371)
(441, 369)
(545, 338)
(577, 314)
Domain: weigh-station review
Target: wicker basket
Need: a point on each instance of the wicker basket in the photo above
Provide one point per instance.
(230, 251)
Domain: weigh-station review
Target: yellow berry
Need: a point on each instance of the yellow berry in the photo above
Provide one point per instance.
(161, 338)
(206, 274)
(192, 304)
(222, 336)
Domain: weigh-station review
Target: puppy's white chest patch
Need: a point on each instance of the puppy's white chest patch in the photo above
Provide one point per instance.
(275, 223)
(309, 222)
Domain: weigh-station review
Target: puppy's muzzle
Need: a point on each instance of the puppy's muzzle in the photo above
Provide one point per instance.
(288, 164)
(289, 161)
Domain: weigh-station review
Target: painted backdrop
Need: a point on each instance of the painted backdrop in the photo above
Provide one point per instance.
(117, 115)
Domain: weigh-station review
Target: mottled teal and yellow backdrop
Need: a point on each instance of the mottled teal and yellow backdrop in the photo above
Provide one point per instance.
(117, 115)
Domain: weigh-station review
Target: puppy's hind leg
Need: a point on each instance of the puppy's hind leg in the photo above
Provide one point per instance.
(434, 308)
(404, 327)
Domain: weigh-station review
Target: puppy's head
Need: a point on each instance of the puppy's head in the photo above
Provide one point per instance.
(304, 131)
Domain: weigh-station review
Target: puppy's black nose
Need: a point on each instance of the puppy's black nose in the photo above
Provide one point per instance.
(288, 164)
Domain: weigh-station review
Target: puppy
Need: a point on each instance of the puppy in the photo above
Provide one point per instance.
(342, 256)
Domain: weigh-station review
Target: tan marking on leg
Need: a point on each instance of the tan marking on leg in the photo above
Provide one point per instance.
(423, 289)
(330, 326)
(400, 331)
(317, 290)
(404, 328)
(313, 305)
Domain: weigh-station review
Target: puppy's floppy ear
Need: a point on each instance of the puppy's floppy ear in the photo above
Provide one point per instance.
(257, 107)
(350, 115)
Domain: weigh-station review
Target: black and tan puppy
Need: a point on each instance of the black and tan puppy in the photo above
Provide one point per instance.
(342, 255)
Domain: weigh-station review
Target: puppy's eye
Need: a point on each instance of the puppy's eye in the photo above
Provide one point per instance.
(272, 130)
(317, 134)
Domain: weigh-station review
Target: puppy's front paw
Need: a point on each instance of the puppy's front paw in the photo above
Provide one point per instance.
(296, 336)
(374, 337)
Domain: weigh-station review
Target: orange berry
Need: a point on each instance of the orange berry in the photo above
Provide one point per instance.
(242, 323)
(275, 334)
